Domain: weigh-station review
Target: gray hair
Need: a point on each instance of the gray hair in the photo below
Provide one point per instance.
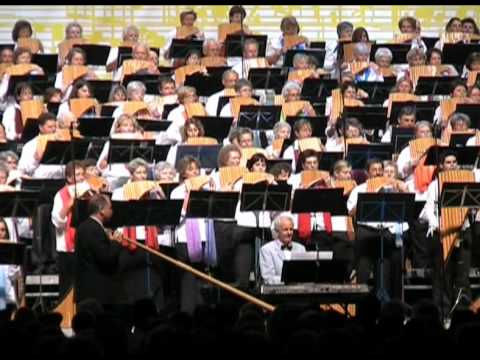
(228, 72)
(135, 164)
(4, 155)
(279, 125)
(130, 27)
(162, 165)
(208, 42)
(415, 52)
(458, 118)
(383, 52)
(275, 227)
(343, 26)
(134, 86)
(423, 123)
(361, 49)
(290, 85)
(298, 57)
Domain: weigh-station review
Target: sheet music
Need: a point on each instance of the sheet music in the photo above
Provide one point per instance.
(312, 255)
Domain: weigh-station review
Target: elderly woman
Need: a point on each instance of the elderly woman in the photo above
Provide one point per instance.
(361, 53)
(291, 92)
(73, 31)
(281, 130)
(130, 36)
(164, 171)
(135, 92)
(383, 59)
(415, 57)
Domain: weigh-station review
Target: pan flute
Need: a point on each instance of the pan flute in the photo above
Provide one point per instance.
(97, 183)
(399, 97)
(257, 177)
(195, 109)
(277, 145)
(66, 45)
(311, 143)
(357, 67)
(293, 108)
(59, 135)
(135, 190)
(247, 153)
(213, 61)
(422, 70)
(348, 54)
(3, 68)
(452, 219)
(448, 107)
(19, 69)
(300, 75)
(347, 185)
(201, 140)
(257, 63)
(448, 132)
(197, 182)
(452, 37)
(472, 78)
(31, 109)
(32, 44)
(312, 177)
(70, 73)
(184, 32)
(227, 29)
(403, 38)
(134, 107)
(236, 102)
(133, 66)
(229, 175)
(182, 72)
(80, 106)
(377, 183)
(290, 41)
(477, 138)
(418, 147)
(337, 104)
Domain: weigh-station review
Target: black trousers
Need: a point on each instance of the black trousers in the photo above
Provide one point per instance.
(367, 254)
(448, 279)
(243, 245)
(417, 247)
(225, 250)
(337, 242)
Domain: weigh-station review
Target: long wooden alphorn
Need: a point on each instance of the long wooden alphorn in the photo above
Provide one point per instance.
(208, 278)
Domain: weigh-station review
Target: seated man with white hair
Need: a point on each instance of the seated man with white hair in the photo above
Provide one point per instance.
(279, 249)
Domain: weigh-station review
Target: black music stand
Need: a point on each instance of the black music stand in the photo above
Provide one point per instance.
(46, 188)
(12, 253)
(267, 78)
(259, 117)
(234, 44)
(124, 53)
(327, 159)
(263, 197)
(62, 152)
(39, 83)
(30, 130)
(18, 203)
(168, 188)
(215, 126)
(153, 125)
(333, 271)
(318, 89)
(385, 207)
(424, 110)
(149, 80)
(401, 137)
(472, 110)
(167, 108)
(96, 54)
(212, 204)
(317, 54)
(95, 126)
(101, 89)
(467, 155)
(125, 150)
(460, 139)
(359, 154)
(371, 117)
(435, 85)
(52, 107)
(206, 154)
(48, 62)
(378, 91)
(180, 47)
(222, 101)
(457, 53)
(205, 85)
(319, 124)
(272, 162)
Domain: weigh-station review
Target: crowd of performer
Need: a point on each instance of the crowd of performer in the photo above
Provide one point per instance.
(241, 250)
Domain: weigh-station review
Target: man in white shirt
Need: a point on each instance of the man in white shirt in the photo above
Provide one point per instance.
(229, 78)
(276, 251)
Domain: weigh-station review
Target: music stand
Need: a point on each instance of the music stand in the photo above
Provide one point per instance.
(259, 117)
(96, 54)
(460, 139)
(401, 137)
(315, 271)
(149, 80)
(12, 253)
(18, 203)
(125, 150)
(48, 62)
(168, 188)
(378, 91)
(153, 125)
(62, 152)
(167, 108)
(424, 110)
(52, 107)
(234, 44)
(206, 154)
(215, 126)
(212, 204)
(385, 207)
(359, 154)
(180, 47)
(46, 188)
(318, 89)
(326, 159)
(30, 130)
(272, 162)
(317, 54)
(268, 78)
(101, 89)
(206, 85)
(371, 117)
(95, 126)
(467, 155)
(39, 83)
(435, 85)
(473, 112)
(264, 197)
(161, 152)
(457, 53)
(222, 101)
(319, 124)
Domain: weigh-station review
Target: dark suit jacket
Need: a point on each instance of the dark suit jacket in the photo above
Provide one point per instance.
(96, 272)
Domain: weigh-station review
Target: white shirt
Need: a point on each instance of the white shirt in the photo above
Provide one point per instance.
(31, 167)
(176, 116)
(9, 121)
